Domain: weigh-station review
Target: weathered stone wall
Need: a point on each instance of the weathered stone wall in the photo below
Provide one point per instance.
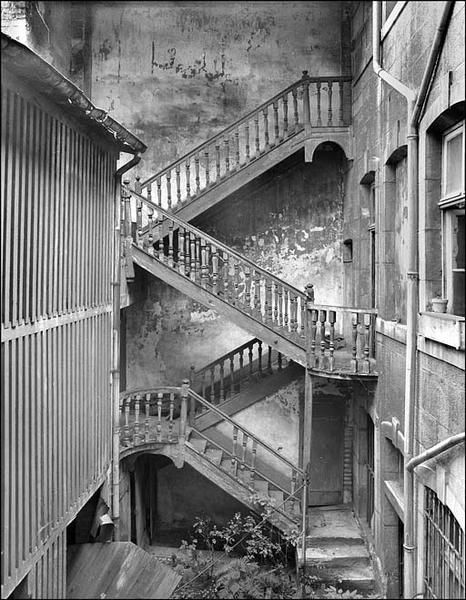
(177, 73)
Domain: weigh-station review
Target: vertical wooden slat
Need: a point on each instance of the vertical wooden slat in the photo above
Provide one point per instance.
(27, 425)
(28, 160)
(35, 199)
(7, 172)
(7, 466)
(16, 207)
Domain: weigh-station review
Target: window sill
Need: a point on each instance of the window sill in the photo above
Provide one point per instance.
(444, 328)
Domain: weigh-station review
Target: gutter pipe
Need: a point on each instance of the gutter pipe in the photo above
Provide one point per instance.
(434, 451)
(415, 102)
(115, 373)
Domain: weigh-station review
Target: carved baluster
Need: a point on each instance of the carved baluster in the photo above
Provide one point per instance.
(259, 352)
(139, 223)
(170, 243)
(268, 301)
(280, 304)
(306, 103)
(150, 237)
(196, 168)
(159, 416)
(204, 265)
(246, 135)
(235, 450)
(293, 313)
(217, 161)
(212, 385)
(265, 112)
(257, 292)
(169, 190)
(314, 318)
(235, 282)
(126, 430)
(256, 123)
(340, 114)
(214, 270)
(226, 276)
(294, 93)
(250, 347)
(198, 258)
(136, 430)
(275, 118)
(222, 382)
(237, 147)
(241, 365)
(192, 257)
(170, 417)
(232, 375)
(253, 463)
(188, 179)
(181, 251)
(178, 184)
(303, 317)
(330, 116)
(244, 451)
(275, 303)
(322, 318)
(354, 337)
(207, 169)
(285, 116)
(160, 248)
(147, 421)
(332, 315)
(319, 110)
(247, 287)
(269, 359)
(158, 182)
(367, 323)
(280, 361)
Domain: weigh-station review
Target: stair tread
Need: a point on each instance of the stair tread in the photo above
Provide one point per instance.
(335, 551)
(348, 574)
(214, 454)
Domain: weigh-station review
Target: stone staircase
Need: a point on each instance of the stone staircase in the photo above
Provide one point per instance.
(336, 553)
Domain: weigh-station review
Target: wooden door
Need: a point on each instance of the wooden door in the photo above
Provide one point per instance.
(327, 447)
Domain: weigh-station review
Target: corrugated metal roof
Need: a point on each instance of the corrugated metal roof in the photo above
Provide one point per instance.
(36, 71)
(117, 570)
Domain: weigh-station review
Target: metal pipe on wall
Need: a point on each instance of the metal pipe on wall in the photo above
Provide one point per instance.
(415, 103)
(115, 375)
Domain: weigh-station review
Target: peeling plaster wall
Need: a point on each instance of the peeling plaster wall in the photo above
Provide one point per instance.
(176, 73)
(291, 223)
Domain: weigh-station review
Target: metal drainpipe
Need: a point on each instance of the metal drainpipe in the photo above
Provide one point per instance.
(414, 105)
(115, 373)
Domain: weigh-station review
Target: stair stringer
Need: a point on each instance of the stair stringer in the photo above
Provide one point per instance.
(267, 334)
(234, 488)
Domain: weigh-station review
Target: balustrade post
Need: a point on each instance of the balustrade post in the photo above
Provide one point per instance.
(147, 420)
(159, 416)
(184, 410)
(214, 270)
(250, 357)
(217, 162)
(253, 463)
(137, 405)
(178, 184)
(276, 126)
(150, 237)
(322, 318)
(207, 169)
(212, 385)
(170, 416)
(232, 375)
(257, 139)
(330, 113)
(246, 135)
(227, 155)
(269, 359)
(367, 320)
(197, 179)
(354, 336)
(331, 319)
(181, 250)
(306, 103)
(244, 450)
(204, 266)
(280, 361)
(241, 364)
(286, 133)
(188, 179)
(341, 89)
(319, 109)
(294, 93)
(192, 257)
(222, 383)
(235, 450)
(170, 243)
(259, 352)
(169, 190)
(268, 301)
(126, 431)
(237, 148)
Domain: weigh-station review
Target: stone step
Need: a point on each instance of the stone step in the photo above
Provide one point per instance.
(332, 555)
(277, 496)
(346, 578)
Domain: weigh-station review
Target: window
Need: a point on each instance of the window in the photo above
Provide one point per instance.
(444, 550)
(453, 230)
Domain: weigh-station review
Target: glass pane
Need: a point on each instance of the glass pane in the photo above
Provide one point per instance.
(458, 293)
(458, 260)
(454, 165)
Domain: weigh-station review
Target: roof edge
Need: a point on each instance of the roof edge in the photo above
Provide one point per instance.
(42, 70)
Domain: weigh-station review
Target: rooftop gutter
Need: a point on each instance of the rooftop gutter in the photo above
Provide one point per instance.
(415, 102)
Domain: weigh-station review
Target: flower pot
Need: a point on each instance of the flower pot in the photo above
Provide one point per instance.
(439, 305)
